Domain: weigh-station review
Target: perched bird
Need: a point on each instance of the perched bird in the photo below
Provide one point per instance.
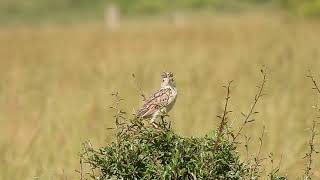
(162, 101)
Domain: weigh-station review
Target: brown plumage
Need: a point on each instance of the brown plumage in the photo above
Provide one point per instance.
(155, 102)
(162, 100)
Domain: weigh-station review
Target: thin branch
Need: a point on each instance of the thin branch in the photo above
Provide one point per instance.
(224, 116)
(311, 151)
(246, 145)
(139, 87)
(257, 159)
(260, 145)
(119, 116)
(81, 169)
(314, 133)
(315, 85)
(275, 169)
(119, 113)
(258, 95)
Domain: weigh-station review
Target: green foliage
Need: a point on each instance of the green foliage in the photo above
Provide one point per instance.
(142, 152)
(148, 153)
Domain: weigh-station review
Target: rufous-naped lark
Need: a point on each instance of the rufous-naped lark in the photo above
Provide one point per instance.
(162, 101)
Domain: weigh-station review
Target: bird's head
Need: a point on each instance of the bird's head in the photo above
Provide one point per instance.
(167, 79)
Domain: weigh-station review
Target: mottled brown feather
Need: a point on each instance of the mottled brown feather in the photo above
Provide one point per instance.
(155, 102)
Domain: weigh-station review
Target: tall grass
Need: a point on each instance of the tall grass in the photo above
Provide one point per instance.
(56, 81)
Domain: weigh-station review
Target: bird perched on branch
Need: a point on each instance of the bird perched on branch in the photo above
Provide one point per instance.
(162, 101)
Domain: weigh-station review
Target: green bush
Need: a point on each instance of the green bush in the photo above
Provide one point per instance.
(142, 152)
(148, 153)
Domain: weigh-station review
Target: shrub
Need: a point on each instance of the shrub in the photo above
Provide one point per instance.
(148, 153)
(142, 152)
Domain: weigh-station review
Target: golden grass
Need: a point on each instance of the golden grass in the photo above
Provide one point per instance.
(56, 81)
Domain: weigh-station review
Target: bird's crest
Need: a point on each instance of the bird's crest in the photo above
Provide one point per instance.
(167, 75)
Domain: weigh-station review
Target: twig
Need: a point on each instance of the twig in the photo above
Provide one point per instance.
(257, 159)
(246, 145)
(139, 87)
(81, 170)
(280, 161)
(224, 116)
(273, 174)
(314, 133)
(311, 151)
(64, 175)
(119, 113)
(118, 116)
(258, 95)
(315, 85)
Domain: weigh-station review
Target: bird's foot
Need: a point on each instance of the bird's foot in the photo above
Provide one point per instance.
(155, 125)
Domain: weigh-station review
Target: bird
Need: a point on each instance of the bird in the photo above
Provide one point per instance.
(160, 102)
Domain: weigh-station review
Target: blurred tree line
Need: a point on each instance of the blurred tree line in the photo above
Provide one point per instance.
(42, 9)
(302, 7)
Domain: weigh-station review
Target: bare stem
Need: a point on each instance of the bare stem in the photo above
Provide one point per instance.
(257, 158)
(139, 87)
(247, 146)
(119, 115)
(311, 151)
(248, 117)
(315, 85)
(81, 169)
(313, 134)
(224, 116)
(257, 161)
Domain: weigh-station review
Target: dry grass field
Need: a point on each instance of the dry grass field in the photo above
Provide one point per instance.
(56, 83)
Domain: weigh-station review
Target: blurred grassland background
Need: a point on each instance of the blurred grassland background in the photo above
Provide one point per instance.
(56, 79)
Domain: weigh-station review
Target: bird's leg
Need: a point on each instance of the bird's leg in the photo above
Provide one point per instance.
(154, 117)
(152, 121)
(155, 125)
(162, 115)
(162, 119)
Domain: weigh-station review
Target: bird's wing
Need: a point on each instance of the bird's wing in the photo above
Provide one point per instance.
(158, 100)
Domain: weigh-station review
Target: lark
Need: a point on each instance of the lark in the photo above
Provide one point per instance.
(162, 101)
